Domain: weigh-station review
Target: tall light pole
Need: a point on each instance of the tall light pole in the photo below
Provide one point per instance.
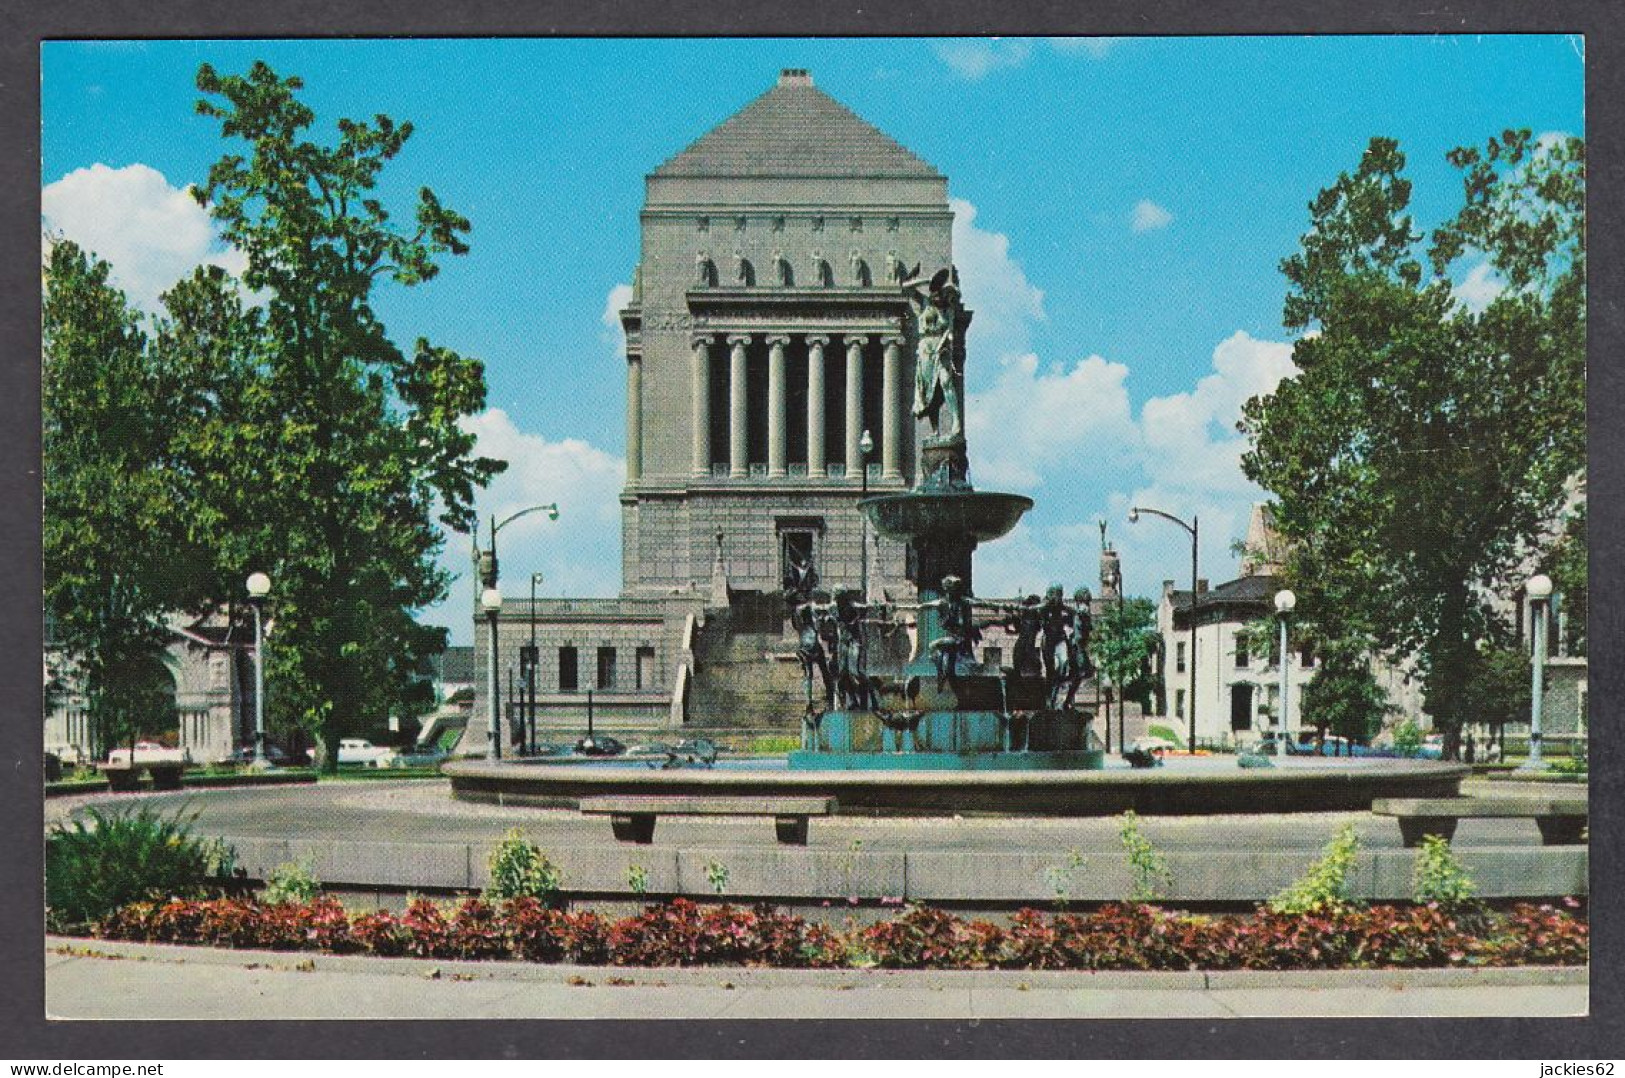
(259, 586)
(1134, 518)
(528, 660)
(1539, 590)
(491, 601)
(1284, 602)
(866, 445)
(486, 564)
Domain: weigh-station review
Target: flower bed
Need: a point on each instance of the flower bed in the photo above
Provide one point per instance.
(684, 933)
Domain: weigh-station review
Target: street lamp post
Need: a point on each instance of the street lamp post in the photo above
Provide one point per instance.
(1539, 590)
(259, 586)
(1134, 518)
(486, 564)
(491, 602)
(866, 445)
(1284, 602)
(528, 661)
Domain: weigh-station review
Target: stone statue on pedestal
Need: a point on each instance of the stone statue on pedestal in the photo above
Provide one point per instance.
(939, 380)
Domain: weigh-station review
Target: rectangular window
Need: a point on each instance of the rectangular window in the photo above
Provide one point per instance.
(1179, 703)
(992, 657)
(1306, 657)
(1179, 657)
(646, 668)
(569, 679)
(1242, 656)
(606, 668)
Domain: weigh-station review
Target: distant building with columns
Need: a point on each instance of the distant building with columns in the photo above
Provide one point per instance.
(766, 333)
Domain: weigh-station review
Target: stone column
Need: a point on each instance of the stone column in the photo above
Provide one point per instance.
(634, 416)
(817, 461)
(738, 460)
(854, 403)
(702, 406)
(891, 406)
(777, 408)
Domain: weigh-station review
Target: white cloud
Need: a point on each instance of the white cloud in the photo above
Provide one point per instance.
(1148, 216)
(1033, 420)
(578, 555)
(995, 286)
(1066, 434)
(1093, 46)
(1479, 288)
(614, 333)
(153, 234)
(977, 58)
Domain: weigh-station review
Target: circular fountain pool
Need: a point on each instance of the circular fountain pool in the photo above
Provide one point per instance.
(1184, 786)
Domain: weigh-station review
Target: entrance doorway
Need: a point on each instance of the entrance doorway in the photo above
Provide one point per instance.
(1241, 707)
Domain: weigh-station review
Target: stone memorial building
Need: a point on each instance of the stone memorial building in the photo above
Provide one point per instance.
(766, 334)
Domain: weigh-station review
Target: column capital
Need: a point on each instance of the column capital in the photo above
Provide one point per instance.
(738, 340)
(818, 339)
(778, 339)
(857, 339)
(704, 340)
(894, 340)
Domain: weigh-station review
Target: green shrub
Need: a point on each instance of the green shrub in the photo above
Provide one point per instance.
(519, 869)
(1324, 887)
(1059, 877)
(291, 882)
(97, 864)
(637, 880)
(716, 874)
(1407, 738)
(1439, 878)
(1577, 762)
(1149, 867)
(1167, 733)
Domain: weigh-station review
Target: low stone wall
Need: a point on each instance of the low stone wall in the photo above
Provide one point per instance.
(947, 878)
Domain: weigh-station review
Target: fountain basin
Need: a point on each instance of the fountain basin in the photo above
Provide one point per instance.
(966, 514)
(1185, 786)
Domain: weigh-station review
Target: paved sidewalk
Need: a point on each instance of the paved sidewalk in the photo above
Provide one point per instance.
(95, 979)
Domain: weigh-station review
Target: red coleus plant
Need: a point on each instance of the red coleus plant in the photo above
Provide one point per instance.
(682, 932)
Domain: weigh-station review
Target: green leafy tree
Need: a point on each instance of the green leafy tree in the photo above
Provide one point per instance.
(1424, 448)
(1499, 690)
(1344, 698)
(116, 544)
(357, 442)
(1123, 640)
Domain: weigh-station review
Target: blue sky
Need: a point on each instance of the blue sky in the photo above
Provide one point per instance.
(1123, 206)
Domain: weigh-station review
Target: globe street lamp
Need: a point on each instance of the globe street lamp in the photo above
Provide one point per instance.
(259, 586)
(1284, 602)
(866, 445)
(491, 602)
(1134, 518)
(1539, 590)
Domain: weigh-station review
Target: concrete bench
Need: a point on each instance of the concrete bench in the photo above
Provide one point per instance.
(1561, 820)
(165, 775)
(633, 818)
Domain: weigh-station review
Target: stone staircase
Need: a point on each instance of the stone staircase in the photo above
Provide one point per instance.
(745, 680)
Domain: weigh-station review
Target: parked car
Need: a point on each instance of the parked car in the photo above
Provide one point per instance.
(69, 755)
(416, 756)
(357, 751)
(274, 753)
(1154, 745)
(147, 752)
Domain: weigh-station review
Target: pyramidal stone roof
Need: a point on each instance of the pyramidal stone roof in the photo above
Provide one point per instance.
(796, 129)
